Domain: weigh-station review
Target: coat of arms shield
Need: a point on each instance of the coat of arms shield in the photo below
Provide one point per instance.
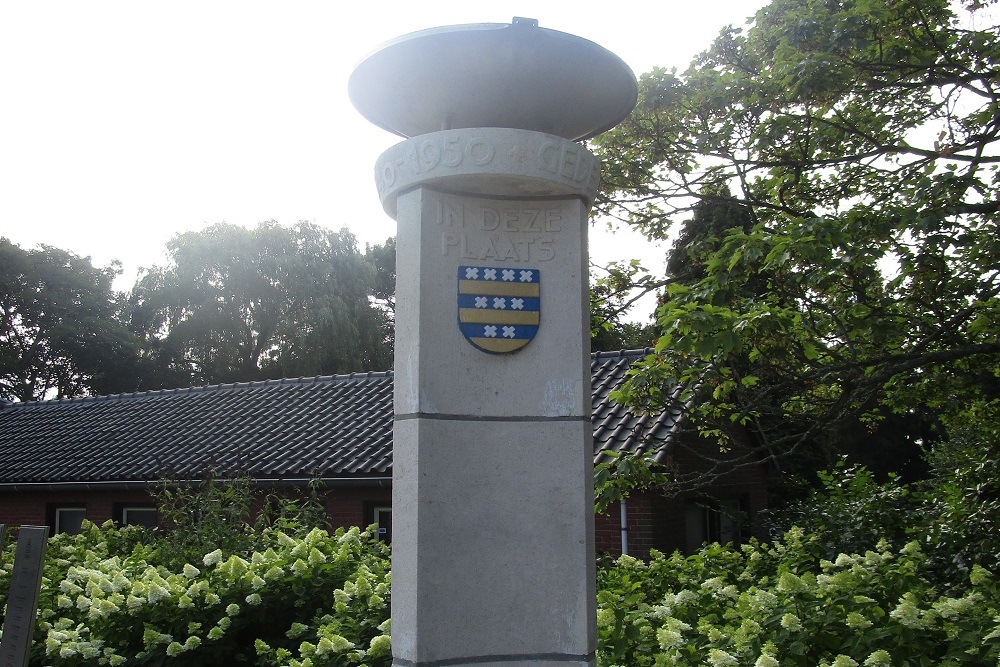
(498, 308)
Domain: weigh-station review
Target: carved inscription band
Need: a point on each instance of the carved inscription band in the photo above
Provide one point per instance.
(490, 162)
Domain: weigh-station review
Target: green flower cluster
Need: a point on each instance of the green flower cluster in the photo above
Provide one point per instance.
(303, 601)
(784, 604)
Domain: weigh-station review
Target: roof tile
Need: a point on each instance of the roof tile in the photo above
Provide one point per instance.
(338, 425)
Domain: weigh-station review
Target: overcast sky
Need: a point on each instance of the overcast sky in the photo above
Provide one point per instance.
(123, 123)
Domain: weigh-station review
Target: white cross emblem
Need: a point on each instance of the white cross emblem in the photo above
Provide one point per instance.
(525, 276)
(508, 332)
(471, 273)
(490, 274)
(491, 331)
(480, 302)
(517, 304)
(499, 303)
(508, 274)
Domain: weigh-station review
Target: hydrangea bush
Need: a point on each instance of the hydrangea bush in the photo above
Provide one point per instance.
(317, 599)
(783, 604)
(313, 600)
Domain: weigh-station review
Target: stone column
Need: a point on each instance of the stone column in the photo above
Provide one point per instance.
(493, 523)
(493, 542)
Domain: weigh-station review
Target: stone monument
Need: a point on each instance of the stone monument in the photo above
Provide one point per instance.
(493, 525)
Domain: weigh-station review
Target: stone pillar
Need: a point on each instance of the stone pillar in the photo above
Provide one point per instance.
(493, 542)
(493, 518)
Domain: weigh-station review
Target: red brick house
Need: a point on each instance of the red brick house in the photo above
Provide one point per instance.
(96, 457)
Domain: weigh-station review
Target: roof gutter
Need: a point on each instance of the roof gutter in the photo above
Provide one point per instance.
(143, 485)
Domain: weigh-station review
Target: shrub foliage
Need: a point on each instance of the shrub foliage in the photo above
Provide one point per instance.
(316, 599)
(784, 604)
(323, 599)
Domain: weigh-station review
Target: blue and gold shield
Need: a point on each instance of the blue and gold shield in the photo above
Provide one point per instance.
(498, 308)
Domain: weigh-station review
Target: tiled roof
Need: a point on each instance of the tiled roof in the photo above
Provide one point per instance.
(616, 428)
(331, 426)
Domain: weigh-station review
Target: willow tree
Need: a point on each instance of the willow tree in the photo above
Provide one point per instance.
(236, 304)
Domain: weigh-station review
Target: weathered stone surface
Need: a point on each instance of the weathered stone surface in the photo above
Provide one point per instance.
(488, 161)
(493, 75)
(492, 542)
(493, 525)
(437, 369)
(492, 455)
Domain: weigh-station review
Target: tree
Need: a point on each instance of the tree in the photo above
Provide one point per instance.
(60, 335)
(861, 139)
(237, 305)
(382, 257)
(614, 289)
(960, 507)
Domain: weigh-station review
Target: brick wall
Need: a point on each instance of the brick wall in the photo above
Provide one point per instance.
(653, 522)
(32, 508)
(344, 507)
(678, 523)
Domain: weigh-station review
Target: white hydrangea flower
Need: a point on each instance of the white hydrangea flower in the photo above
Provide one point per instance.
(953, 607)
(286, 541)
(713, 584)
(856, 621)
(879, 658)
(379, 646)
(791, 622)
(668, 639)
(333, 644)
(906, 613)
(789, 583)
(156, 592)
(296, 630)
(763, 601)
(719, 658)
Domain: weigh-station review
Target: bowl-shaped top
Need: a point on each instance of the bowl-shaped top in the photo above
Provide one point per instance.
(493, 75)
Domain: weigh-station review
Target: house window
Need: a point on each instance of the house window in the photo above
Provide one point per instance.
(713, 521)
(68, 519)
(137, 515)
(379, 512)
(383, 517)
